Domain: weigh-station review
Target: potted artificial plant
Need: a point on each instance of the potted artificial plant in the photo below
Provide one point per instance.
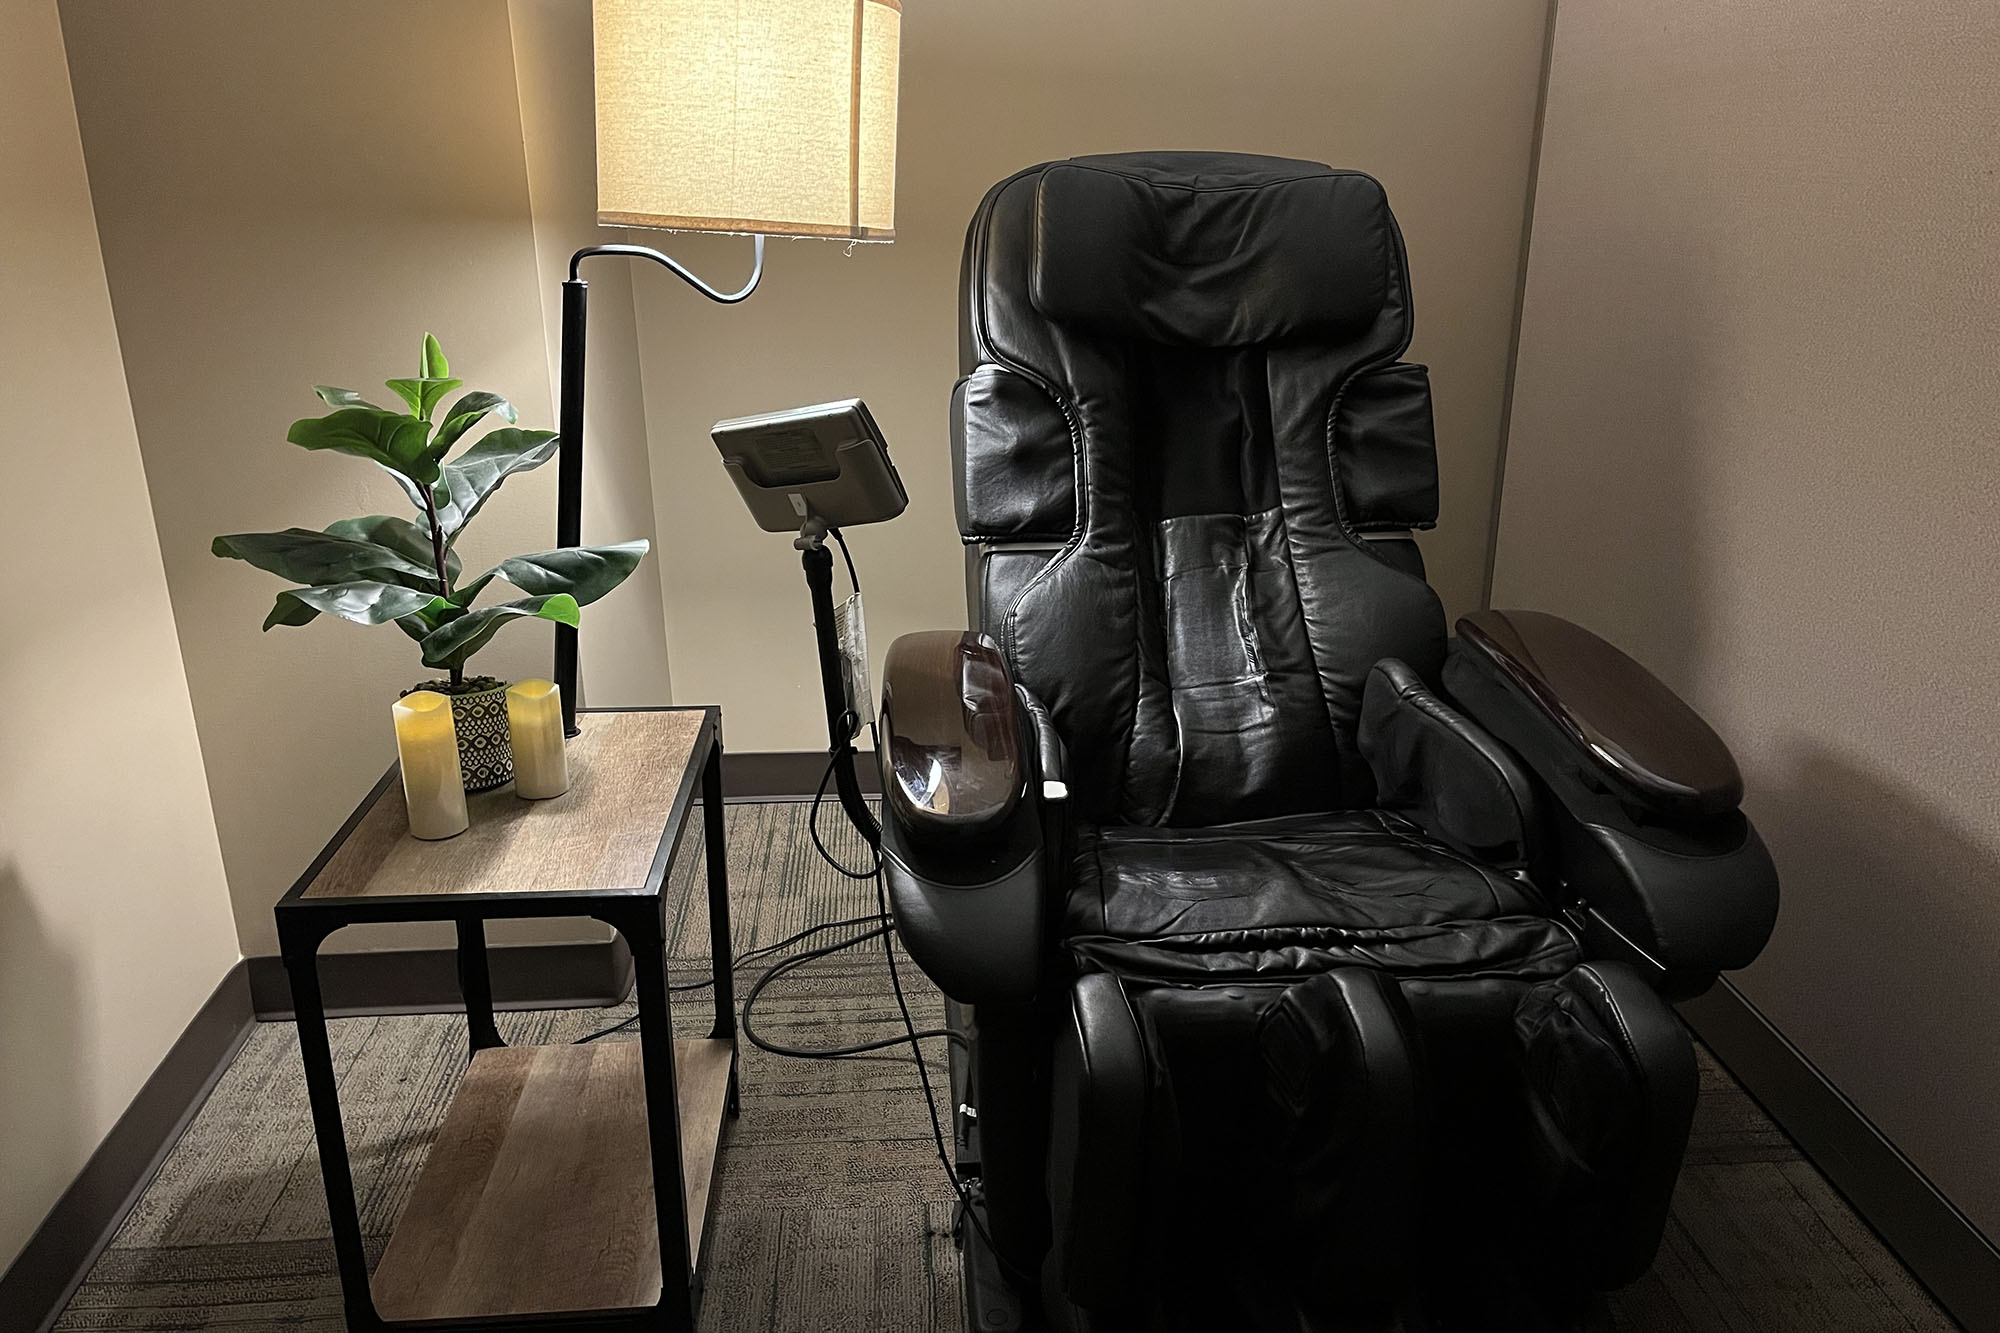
(387, 570)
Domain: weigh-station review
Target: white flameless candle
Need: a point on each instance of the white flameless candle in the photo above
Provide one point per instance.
(427, 746)
(534, 723)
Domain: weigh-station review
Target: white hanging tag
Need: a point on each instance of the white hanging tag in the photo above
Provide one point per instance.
(851, 629)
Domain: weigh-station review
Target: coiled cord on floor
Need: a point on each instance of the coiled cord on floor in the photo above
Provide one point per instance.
(749, 955)
(878, 926)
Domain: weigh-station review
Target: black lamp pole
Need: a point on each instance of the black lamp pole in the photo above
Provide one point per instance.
(569, 424)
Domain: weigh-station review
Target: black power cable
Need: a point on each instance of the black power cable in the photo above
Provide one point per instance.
(812, 827)
(878, 920)
(853, 580)
(879, 925)
(871, 918)
(910, 1036)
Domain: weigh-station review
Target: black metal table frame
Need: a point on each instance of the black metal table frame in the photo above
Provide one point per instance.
(638, 915)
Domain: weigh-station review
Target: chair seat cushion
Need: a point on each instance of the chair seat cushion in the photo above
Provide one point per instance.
(1279, 899)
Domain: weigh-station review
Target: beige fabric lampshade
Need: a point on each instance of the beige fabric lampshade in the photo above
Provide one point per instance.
(772, 116)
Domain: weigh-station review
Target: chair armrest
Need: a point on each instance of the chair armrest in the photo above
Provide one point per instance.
(952, 761)
(961, 828)
(1440, 770)
(1635, 732)
(1640, 796)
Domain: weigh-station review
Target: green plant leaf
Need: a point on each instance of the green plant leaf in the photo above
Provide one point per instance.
(464, 596)
(289, 610)
(451, 644)
(333, 397)
(401, 536)
(300, 555)
(411, 489)
(367, 602)
(434, 366)
(423, 622)
(465, 414)
(390, 438)
(423, 394)
(469, 482)
(410, 391)
(584, 572)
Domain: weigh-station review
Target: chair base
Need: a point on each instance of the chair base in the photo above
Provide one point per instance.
(991, 1303)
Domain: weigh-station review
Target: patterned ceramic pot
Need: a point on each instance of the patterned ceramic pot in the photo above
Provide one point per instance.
(485, 749)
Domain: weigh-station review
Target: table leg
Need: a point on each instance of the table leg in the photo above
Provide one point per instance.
(663, 1116)
(301, 954)
(721, 948)
(475, 983)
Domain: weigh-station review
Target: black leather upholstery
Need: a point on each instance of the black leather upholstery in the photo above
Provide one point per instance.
(1434, 766)
(1344, 1077)
(1610, 1076)
(1300, 965)
(1106, 1102)
(1202, 637)
(1290, 897)
(1238, 252)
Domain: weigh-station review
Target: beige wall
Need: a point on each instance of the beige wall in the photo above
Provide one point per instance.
(1436, 97)
(114, 919)
(290, 195)
(1754, 442)
(623, 657)
(300, 214)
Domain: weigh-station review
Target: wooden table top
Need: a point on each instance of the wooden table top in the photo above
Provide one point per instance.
(626, 772)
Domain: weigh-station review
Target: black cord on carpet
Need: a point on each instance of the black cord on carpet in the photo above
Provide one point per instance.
(880, 925)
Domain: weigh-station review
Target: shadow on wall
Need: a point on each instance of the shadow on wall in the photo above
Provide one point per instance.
(1624, 540)
(44, 1092)
(1865, 858)
(1630, 523)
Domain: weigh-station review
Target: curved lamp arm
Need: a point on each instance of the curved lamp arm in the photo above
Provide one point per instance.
(675, 266)
(569, 424)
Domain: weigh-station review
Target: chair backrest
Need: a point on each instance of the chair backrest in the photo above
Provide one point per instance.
(1180, 423)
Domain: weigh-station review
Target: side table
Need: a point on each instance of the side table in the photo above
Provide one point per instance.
(569, 1185)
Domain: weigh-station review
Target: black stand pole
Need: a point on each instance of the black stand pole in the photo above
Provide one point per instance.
(818, 562)
(569, 420)
(569, 476)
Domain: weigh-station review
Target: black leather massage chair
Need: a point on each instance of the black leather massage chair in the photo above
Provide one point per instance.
(1315, 966)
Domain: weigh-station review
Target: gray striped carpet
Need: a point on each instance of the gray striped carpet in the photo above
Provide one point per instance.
(832, 1212)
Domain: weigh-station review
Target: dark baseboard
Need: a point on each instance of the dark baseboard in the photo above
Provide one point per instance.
(37, 1286)
(786, 775)
(1928, 1233)
(425, 981)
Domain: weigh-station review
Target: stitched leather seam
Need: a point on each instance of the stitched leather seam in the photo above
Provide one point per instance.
(1510, 970)
(1298, 596)
(1484, 871)
(1590, 975)
(984, 342)
(1212, 941)
(1329, 174)
(1402, 259)
(1079, 466)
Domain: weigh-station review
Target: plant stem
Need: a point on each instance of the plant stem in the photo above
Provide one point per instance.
(443, 566)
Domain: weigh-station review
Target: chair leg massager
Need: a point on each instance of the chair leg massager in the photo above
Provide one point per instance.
(1315, 964)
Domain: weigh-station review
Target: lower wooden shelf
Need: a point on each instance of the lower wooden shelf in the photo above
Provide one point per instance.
(538, 1195)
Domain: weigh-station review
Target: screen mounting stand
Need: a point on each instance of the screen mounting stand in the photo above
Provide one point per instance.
(841, 722)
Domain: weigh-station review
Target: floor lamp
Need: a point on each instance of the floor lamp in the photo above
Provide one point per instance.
(773, 119)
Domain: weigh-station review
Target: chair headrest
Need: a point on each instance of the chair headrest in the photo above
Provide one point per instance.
(1210, 249)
